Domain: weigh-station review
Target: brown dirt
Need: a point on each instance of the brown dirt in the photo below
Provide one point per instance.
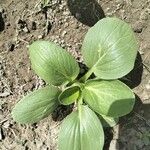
(23, 23)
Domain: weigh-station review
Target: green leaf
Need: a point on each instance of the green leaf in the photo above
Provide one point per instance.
(110, 98)
(108, 121)
(81, 130)
(52, 63)
(36, 105)
(45, 2)
(110, 48)
(69, 95)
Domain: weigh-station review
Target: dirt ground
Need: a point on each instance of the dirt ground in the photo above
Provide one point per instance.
(21, 23)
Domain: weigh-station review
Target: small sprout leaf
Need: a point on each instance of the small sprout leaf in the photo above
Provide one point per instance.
(45, 2)
(110, 98)
(69, 95)
(36, 105)
(110, 48)
(81, 130)
(52, 63)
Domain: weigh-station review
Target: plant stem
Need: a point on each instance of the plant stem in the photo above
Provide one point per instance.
(79, 103)
(86, 76)
(72, 82)
(80, 100)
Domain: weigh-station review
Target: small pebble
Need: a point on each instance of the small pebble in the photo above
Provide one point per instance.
(64, 33)
(2, 10)
(66, 24)
(138, 27)
(6, 125)
(147, 86)
(10, 46)
(7, 24)
(66, 13)
(40, 36)
(25, 29)
(5, 94)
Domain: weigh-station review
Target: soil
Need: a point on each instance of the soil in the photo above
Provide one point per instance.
(61, 21)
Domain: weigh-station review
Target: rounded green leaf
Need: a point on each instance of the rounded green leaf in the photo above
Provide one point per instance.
(110, 98)
(110, 48)
(36, 105)
(52, 63)
(81, 130)
(108, 121)
(69, 95)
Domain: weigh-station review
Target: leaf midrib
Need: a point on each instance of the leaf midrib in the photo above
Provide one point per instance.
(55, 68)
(100, 58)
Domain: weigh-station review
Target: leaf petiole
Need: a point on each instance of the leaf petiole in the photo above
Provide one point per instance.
(79, 104)
(86, 76)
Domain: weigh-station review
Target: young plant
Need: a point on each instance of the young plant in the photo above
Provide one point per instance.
(45, 3)
(109, 51)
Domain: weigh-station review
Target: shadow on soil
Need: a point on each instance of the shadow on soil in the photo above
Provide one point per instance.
(86, 11)
(134, 128)
(133, 79)
(2, 24)
(61, 112)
